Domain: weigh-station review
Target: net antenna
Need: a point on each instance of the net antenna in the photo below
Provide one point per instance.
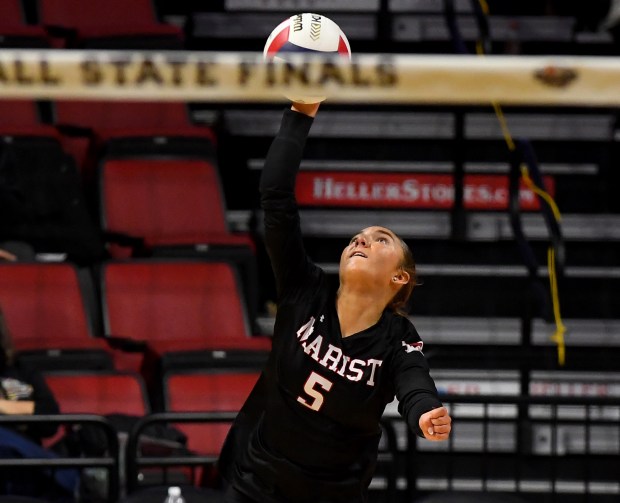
(523, 168)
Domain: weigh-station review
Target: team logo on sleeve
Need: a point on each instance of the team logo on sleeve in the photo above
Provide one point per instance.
(416, 346)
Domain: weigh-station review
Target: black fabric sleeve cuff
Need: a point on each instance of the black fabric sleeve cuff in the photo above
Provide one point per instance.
(295, 126)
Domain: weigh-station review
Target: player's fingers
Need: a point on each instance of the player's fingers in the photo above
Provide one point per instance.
(426, 426)
(441, 420)
(438, 412)
(442, 429)
(437, 436)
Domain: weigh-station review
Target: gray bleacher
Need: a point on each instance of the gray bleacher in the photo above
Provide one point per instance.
(489, 430)
(497, 433)
(395, 25)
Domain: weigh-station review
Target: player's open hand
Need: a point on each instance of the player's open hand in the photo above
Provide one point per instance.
(436, 424)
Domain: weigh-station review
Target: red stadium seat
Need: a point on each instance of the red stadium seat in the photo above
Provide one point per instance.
(172, 207)
(19, 114)
(166, 202)
(109, 24)
(223, 391)
(179, 307)
(93, 129)
(112, 115)
(15, 32)
(176, 302)
(46, 309)
(102, 393)
(21, 118)
(99, 393)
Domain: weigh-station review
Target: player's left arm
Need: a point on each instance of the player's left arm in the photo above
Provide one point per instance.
(418, 400)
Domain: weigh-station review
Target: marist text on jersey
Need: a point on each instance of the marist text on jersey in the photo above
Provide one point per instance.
(332, 358)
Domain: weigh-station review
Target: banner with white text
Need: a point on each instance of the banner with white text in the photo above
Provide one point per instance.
(402, 190)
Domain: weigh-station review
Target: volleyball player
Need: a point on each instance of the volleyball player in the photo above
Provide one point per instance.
(309, 431)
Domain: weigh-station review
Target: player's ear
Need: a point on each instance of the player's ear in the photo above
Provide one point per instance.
(402, 277)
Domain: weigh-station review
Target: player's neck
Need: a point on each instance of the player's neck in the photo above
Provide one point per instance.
(357, 311)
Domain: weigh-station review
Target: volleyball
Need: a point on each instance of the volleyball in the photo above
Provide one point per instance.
(306, 33)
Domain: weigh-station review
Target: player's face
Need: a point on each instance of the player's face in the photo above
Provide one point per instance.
(376, 250)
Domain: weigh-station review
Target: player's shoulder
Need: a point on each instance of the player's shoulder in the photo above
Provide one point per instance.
(401, 328)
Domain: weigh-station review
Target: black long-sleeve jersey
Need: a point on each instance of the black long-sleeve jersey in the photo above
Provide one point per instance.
(309, 431)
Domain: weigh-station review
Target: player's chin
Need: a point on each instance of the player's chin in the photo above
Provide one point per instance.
(354, 268)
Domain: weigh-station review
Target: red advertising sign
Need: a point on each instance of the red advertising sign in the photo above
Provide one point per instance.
(409, 190)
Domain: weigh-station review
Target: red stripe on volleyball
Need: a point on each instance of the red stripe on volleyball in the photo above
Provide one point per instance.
(342, 47)
(279, 41)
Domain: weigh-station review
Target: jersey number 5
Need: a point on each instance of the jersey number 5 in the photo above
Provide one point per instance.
(315, 380)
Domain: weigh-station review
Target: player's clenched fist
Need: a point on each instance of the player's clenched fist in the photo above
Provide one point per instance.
(436, 424)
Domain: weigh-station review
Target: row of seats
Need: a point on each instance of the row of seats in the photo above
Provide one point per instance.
(152, 173)
(183, 451)
(105, 24)
(143, 316)
(87, 127)
(157, 179)
(147, 183)
(109, 393)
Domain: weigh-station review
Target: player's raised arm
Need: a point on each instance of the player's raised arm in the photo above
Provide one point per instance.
(277, 187)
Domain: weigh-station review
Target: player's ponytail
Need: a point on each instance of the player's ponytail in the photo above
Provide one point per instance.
(399, 302)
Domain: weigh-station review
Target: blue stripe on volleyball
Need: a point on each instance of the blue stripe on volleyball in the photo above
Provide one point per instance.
(290, 47)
